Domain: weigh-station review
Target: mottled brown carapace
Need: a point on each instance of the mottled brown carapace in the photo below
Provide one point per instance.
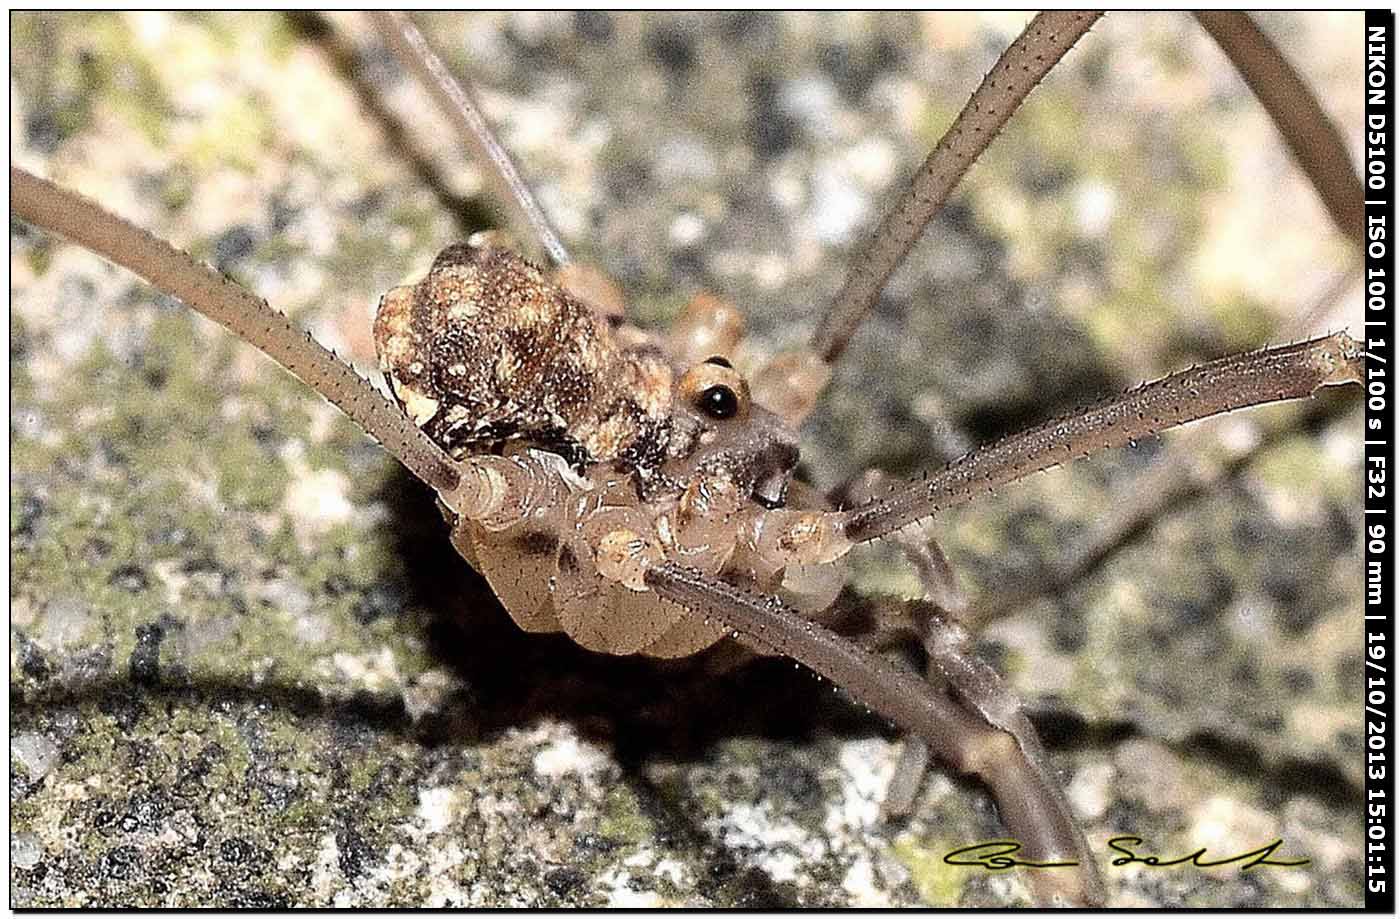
(486, 349)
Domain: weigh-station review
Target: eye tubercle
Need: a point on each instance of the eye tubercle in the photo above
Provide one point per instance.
(716, 390)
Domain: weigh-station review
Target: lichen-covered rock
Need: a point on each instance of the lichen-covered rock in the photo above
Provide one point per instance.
(248, 670)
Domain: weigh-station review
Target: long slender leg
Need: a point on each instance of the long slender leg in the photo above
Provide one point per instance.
(70, 215)
(342, 58)
(792, 383)
(1030, 802)
(1241, 380)
(1310, 134)
(1188, 469)
(951, 658)
(456, 102)
(1046, 39)
(1180, 477)
(1276, 374)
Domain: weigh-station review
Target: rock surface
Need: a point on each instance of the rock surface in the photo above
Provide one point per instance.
(247, 670)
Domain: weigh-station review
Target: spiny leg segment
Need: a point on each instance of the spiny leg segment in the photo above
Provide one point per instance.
(1234, 382)
(1187, 470)
(1238, 381)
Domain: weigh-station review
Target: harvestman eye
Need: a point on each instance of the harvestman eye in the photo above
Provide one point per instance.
(719, 402)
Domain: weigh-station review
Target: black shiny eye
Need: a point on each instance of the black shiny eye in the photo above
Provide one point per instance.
(719, 402)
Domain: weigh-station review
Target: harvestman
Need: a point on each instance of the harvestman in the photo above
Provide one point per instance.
(632, 492)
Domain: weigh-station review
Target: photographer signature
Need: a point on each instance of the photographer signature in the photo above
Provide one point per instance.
(999, 855)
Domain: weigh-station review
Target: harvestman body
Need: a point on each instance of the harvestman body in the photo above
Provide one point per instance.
(634, 493)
